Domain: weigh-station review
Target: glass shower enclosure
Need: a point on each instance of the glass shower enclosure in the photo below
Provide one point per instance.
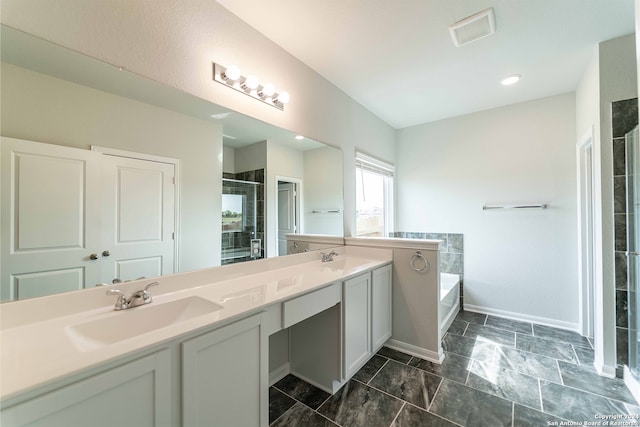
(633, 246)
(239, 221)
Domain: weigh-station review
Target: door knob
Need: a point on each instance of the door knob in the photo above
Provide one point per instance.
(106, 253)
(94, 256)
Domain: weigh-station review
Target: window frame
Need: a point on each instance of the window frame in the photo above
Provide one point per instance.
(387, 171)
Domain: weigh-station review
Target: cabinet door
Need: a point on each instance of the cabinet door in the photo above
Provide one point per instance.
(225, 379)
(380, 306)
(357, 344)
(135, 394)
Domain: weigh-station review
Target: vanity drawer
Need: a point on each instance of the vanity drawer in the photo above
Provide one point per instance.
(298, 309)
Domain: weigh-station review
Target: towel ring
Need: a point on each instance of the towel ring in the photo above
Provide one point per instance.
(413, 259)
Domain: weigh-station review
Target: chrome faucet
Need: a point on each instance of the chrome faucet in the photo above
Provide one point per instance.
(140, 297)
(328, 257)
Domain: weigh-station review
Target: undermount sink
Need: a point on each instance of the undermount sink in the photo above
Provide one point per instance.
(132, 322)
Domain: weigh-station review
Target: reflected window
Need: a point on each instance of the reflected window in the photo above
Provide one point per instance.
(374, 197)
(232, 212)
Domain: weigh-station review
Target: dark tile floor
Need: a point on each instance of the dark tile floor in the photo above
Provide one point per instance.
(496, 372)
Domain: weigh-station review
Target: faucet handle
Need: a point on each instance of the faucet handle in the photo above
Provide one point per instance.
(146, 295)
(121, 302)
(146, 288)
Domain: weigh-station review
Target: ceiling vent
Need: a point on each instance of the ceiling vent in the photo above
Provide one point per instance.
(473, 27)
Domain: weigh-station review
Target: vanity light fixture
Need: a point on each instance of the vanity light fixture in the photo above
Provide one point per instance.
(231, 77)
(299, 137)
(512, 79)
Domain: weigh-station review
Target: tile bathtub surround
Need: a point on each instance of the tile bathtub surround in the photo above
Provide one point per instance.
(624, 118)
(497, 372)
(451, 252)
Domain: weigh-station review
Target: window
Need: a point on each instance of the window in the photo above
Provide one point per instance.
(374, 197)
(232, 212)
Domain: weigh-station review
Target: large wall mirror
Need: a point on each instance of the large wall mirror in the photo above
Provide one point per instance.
(108, 175)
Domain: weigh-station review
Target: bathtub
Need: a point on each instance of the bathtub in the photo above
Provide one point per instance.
(449, 300)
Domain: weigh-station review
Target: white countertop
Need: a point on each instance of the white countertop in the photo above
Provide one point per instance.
(39, 348)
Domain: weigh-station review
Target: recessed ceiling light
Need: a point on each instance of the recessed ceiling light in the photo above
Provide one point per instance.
(515, 78)
(299, 137)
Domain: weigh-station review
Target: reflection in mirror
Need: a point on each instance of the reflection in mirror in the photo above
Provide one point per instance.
(242, 227)
(59, 99)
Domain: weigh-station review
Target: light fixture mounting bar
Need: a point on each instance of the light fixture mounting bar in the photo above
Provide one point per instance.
(238, 84)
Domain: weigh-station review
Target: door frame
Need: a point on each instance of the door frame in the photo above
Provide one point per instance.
(159, 159)
(298, 205)
(587, 242)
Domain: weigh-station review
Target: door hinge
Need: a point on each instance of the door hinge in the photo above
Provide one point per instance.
(173, 236)
(173, 180)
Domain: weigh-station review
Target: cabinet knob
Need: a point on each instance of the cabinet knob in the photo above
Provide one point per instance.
(94, 256)
(106, 253)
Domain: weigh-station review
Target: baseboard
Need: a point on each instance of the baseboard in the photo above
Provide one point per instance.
(574, 327)
(413, 350)
(279, 373)
(313, 383)
(632, 383)
(602, 369)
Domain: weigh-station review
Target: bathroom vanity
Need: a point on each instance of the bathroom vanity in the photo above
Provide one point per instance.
(198, 354)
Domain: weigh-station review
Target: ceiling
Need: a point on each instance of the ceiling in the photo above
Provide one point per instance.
(397, 59)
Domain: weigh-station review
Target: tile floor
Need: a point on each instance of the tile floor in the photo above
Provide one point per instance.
(497, 372)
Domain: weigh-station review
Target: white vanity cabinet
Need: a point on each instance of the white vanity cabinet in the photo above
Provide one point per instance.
(136, 394)
(219, 377)
(381, 291)
(332, 345)
(366, 316)
(224, 376)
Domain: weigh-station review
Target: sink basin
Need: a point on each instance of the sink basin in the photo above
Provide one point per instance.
(345, 263)
(136, 321)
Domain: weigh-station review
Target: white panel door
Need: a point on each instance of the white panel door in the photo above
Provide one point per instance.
(50, 219)
(286, 214)
(139, 218)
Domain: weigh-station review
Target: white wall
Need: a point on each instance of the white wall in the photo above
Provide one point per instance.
(323, 190)
(588, 126)
(174, 42)
(611, 76)
(251, 157)
(228, 159)
(281, 162)
(40, 108)
(519, 263)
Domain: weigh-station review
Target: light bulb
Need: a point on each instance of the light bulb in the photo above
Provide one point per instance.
(299, 137)
(268, 89)
(251, 82)
(283, 97)
(232, 72)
